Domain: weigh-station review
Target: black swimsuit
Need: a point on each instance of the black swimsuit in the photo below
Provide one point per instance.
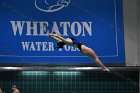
(75, 42)
(79, 44)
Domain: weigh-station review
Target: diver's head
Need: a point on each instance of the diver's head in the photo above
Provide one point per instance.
(60, 44)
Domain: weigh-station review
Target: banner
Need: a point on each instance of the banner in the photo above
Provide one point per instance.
(24, 26)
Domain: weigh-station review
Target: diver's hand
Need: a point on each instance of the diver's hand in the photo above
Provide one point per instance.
(48, 35)
(52, 35)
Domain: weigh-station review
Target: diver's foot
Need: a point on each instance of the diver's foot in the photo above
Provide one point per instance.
(106, 69)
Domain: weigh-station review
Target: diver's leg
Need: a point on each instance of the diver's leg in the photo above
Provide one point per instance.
(90, 53)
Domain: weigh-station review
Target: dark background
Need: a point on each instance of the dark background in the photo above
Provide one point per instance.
(71, 82)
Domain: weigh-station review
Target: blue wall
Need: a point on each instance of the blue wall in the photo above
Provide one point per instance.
(97, 24)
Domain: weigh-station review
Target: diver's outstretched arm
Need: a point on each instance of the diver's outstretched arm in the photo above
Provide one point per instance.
(57, 37)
